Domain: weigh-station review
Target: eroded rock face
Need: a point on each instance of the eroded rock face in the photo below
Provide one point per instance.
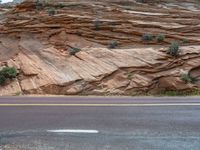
(38, 44)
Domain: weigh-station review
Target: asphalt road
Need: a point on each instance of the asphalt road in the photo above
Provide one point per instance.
(33, 123)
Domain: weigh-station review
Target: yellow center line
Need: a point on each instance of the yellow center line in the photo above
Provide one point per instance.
(103, 105)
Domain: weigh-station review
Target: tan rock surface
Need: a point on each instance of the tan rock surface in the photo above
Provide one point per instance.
(12, 88)
(37, 44)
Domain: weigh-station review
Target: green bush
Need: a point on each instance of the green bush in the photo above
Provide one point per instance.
(97, 24)
(39, 5)
(7, 73)
(2, 80)
(73, 50)
(173, 49)
(160, 38)
(188, 79)
(60, 5)
(147, 37)
(113, 44)
(51, 11)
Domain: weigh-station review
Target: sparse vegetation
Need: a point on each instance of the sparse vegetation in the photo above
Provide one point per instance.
(169, 93)
(47, 1)
(60, 5)
(39, 5)
(18, 93)
(173, 50)
(160, 38)
(188, 79)
(185, 41)
(73, 50)
(51, 11)
(142, 1)
(46, 4)
(79, 33)
(148, 1)
(147, 37)
(113, 44)
(130, 76)
(97, 24)
(7, 73)
(195, 92)
(2, 79)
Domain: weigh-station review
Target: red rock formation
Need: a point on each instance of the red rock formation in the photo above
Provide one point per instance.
(38, 44)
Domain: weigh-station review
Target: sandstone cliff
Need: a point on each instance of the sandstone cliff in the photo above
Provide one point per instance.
(36, 38)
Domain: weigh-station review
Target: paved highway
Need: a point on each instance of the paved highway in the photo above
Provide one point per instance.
(99, 123)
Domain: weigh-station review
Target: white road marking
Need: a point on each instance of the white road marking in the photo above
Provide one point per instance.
(73, 131)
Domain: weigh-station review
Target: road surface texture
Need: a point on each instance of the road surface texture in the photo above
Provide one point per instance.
(98, 123)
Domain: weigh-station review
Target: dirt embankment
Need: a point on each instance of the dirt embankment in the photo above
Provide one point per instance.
(37, 37)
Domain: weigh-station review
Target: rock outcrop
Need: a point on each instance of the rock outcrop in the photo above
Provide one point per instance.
(37, 43)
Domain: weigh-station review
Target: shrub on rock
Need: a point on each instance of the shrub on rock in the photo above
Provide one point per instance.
(113, 44)
(97, 24)
(173, 50)
(7, 73)
(147, 37)
(188, 79)
(2, 80)
(51, 11)
(73, 50)
(160, 38)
